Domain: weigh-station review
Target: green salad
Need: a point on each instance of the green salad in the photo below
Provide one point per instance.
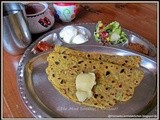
(110, 34)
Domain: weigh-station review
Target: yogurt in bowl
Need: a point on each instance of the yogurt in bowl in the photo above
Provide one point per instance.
(74, 34)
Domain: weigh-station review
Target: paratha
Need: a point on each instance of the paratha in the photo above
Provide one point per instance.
(114, 82)
(128, 61)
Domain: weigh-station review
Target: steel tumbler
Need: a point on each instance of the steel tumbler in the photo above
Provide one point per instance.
(16, 34)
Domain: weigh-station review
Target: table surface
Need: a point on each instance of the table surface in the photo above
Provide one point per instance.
(140, 18)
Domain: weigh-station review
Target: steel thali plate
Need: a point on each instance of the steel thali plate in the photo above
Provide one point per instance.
(43, 100)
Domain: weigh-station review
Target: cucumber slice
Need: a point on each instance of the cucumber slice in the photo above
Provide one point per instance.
(115, 37)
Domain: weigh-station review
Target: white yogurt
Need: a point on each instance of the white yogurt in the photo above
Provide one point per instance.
(68, 33)
(79, 39)
(73, 35)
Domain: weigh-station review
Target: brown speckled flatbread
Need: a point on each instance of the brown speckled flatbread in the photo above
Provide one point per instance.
(128, 61)
(114, 82)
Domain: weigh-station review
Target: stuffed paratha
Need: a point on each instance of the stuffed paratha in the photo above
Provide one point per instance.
(113, 82)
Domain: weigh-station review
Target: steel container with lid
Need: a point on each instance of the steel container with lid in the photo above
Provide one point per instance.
(16, 34)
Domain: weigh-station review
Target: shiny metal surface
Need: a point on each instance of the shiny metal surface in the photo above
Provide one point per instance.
(144, 42)
(43, 100)
(16, 34)
(8, 7)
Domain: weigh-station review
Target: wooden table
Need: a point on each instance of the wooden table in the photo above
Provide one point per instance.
(140, 18)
